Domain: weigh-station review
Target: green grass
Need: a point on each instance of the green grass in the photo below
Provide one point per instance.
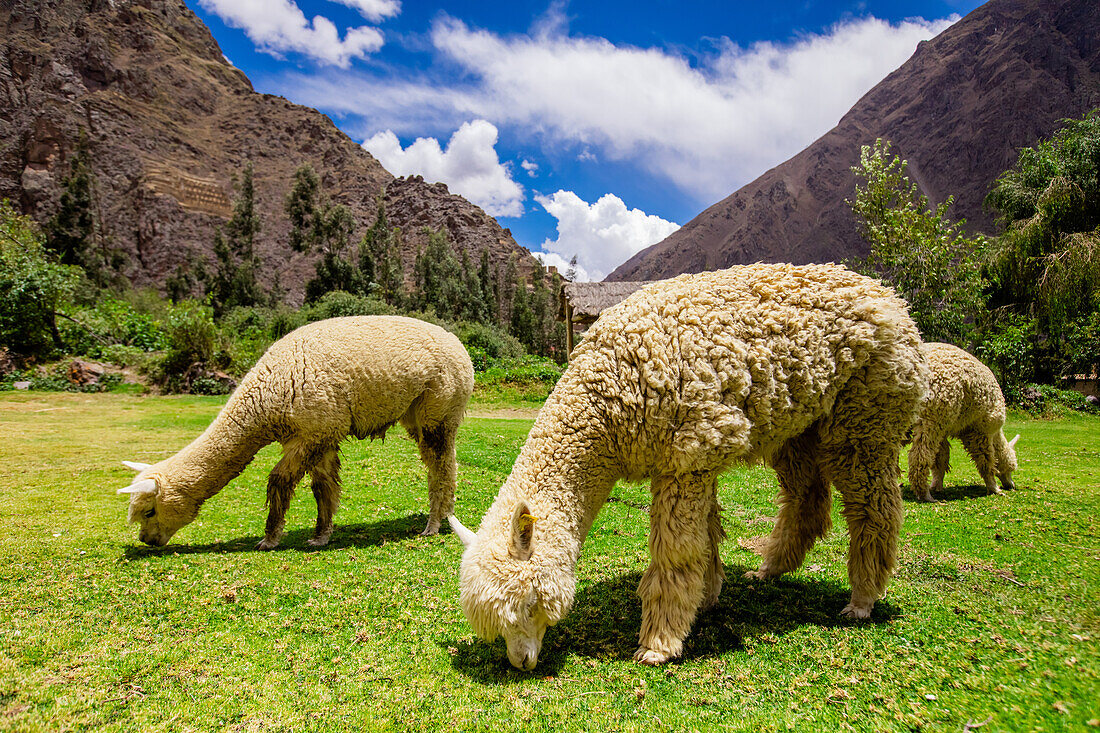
(992, 614)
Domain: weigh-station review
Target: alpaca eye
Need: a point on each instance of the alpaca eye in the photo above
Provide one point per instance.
(151, 513)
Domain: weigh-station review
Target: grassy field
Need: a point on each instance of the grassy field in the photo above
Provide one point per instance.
(991, 618)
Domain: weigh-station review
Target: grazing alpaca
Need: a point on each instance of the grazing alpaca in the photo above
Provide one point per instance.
(815, 369)
(964, 401)
(312, 389)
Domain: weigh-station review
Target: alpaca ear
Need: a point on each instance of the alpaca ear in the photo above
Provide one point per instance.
(523, 532)
(145, 486)
(464, 534)
(135, 466)
(1012, 443)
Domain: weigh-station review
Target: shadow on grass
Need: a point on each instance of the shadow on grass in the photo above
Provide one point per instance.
(607, 615)
(952, 492)
(345, 535)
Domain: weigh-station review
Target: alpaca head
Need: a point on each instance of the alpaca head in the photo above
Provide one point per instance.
(508, 589)
(161, 515)
(1006, 462)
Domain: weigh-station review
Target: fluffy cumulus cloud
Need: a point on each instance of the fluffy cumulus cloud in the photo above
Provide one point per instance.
(279, 27)
(469, 165)
(708, 125)
(602, 235)
(374, 10)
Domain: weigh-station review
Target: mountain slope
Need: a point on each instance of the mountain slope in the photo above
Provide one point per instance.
(958, 110)
(170, 123)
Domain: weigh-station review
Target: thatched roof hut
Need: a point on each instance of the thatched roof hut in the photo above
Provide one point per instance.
(581, 303)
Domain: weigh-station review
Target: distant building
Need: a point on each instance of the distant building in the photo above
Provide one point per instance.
(580, 304)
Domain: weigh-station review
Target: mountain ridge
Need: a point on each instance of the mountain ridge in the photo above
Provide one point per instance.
(1039, 59)
(169, 123)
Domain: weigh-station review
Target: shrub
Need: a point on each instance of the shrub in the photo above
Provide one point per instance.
(33, 287)
(193, 339)
(1008, 347)
(338, 303)
(490, 342)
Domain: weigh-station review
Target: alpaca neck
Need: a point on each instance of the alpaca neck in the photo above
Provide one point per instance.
(565, 474)
(215, 458)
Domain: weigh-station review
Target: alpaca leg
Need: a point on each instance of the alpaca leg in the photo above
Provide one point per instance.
(803, 508)
(671, 588)
(297, 459)
(866, 475)
(326, 491)
(716, 572)
(923, 456)
(942, 465)
(437, 450)
(980, 448)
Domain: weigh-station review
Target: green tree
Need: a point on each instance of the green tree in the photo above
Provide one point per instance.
(438, 277)
(35, 286)
(916, 249)
(73, 232)
(1047, 263)
(380, 260)
(316, 224)
(233, 282)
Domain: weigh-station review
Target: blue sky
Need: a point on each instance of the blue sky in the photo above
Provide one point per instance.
(588, 128)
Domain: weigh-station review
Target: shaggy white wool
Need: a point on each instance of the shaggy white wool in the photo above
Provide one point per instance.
(314, 387)
(815, 369)
(964, 401)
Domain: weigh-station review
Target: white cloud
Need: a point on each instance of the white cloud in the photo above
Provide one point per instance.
(279, 26)
(602, 235)
(708, 125)
(469, 165)
(531, 168)
(375, 10)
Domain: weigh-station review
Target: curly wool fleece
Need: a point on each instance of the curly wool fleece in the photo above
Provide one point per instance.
(815, 369)
(313, 388)
(964, 401)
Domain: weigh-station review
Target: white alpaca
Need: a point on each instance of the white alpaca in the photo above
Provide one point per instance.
(815, 369)
(964, 401)
(309, 391)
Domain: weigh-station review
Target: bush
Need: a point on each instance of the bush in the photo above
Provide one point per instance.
(193, 339)
(1008, 347)
(338, 303)
(55, 380)
(111, 322)
(489, 342)
(32, 285)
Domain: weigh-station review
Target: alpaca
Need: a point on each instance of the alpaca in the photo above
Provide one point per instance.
(313, 388)
(964, 401)
(815, 369)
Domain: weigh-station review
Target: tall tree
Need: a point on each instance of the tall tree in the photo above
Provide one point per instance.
(380, 260)
(439, 277)
(233, 282)
(926, 257)
(318, 224)
(73, 231)
(1047, 264)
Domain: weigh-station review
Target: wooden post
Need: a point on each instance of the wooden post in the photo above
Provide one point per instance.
(568, 330)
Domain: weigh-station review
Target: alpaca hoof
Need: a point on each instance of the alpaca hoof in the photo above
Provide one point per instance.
(267, 544)
(649, 657)
(1008, 486)
(924, 497)
(997, 491)
(431, 529)
(320, 541)
(853, 611)
(756, 575)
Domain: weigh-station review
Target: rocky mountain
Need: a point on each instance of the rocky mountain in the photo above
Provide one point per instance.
(169, 123)
(958, 110)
